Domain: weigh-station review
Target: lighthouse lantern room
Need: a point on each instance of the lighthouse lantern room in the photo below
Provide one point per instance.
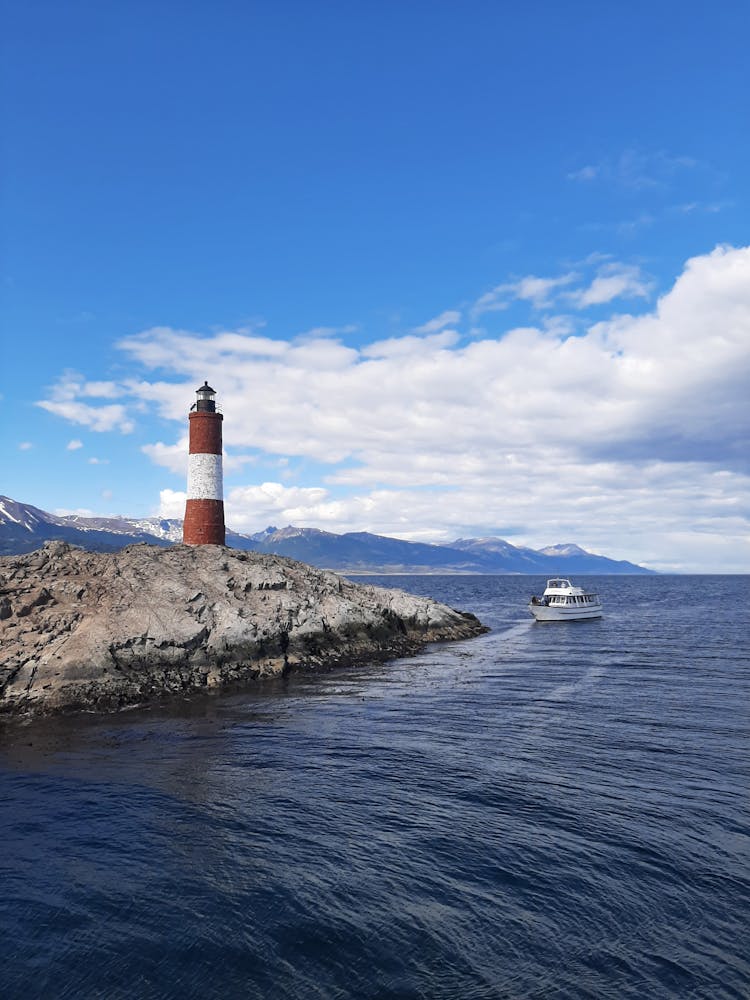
(204, 509)
(206, 399)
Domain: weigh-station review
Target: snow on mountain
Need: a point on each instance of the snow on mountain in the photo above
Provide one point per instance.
(566, 549)
(497, 545)
(167, 528)
(24, 528)
(23, 515)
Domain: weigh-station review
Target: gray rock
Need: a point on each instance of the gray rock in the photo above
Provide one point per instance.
(85, 630)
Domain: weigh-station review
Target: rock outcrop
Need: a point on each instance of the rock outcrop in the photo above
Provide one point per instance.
(84, 630)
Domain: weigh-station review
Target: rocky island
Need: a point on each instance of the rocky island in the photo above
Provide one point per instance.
(89, 631)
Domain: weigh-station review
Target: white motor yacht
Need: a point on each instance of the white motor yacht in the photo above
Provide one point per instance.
(562, 602)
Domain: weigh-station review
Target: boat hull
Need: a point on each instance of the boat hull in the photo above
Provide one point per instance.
(544, 613)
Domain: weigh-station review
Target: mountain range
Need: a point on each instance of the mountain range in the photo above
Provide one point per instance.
(24, 528)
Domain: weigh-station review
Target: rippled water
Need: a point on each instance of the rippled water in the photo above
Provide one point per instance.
(554, 810)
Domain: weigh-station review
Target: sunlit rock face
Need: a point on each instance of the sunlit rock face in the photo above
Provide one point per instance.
(85, 630)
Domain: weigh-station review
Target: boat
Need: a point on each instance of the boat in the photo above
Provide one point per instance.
(562, 602)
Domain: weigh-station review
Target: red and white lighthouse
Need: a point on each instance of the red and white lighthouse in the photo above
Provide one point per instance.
(204, 510)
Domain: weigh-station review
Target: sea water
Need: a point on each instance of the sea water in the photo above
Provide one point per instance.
(550, 810)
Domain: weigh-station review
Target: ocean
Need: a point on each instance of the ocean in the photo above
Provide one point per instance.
(550, 810)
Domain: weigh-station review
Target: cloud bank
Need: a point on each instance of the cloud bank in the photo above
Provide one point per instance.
(628, 435)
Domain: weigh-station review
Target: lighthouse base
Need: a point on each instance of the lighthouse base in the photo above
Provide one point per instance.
(204, 523)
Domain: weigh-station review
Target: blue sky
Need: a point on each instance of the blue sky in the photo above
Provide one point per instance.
(454, 270)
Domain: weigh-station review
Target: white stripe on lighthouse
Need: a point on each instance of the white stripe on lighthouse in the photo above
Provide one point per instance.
(205, 478)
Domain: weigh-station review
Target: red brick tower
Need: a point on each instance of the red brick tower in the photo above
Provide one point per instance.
(204, 510)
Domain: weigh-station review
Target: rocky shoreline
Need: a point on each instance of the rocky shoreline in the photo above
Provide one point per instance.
(86, 631)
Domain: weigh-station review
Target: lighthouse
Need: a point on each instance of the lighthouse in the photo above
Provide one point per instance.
(204, 510)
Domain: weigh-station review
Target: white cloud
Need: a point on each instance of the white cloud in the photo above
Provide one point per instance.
(25, 446)
(537, 291)
(698, 207)
(636, 169)
(160, 347)
(66, 402)
(613, 281)
(320, 332)
(448, 318)
(98, 461)
(407, 346)
(171, 456)
(626, 437)
(101, 418)
(614, 438)
(584, 502)
(248, 507)
(587, 173)
(74, 445)
(102, 390)
(172, 503)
